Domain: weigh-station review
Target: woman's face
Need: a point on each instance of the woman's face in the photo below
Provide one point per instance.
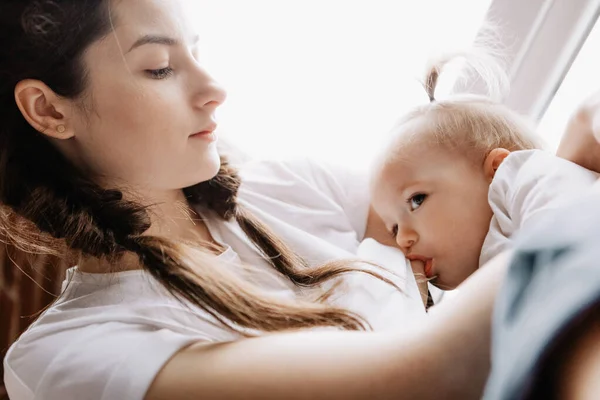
(150, 104)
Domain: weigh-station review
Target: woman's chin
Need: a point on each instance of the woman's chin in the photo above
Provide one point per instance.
(208, 170)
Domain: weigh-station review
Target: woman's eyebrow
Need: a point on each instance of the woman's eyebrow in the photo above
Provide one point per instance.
(158, 39)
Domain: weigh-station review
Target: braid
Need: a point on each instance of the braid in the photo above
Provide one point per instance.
(63, 203)
(226, 297)
(100, 223)
(220, 195)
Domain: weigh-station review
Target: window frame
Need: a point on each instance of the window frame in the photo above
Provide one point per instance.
(543, 38)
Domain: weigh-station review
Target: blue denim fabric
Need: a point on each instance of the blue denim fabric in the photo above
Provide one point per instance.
(554, 276)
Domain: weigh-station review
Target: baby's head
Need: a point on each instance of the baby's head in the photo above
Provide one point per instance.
(431, 185)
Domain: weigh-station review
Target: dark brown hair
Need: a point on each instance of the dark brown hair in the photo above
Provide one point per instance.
(49, 205)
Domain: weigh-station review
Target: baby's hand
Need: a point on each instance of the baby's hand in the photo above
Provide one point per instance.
(581, 140)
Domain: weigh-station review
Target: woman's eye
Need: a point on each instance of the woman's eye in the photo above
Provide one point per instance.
(394, 231)
(416, 201)
(160, 73)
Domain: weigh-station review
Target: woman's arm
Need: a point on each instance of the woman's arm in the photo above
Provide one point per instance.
(447, 356)
(577, 367)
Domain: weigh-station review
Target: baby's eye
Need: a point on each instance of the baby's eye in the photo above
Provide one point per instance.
(416, 201)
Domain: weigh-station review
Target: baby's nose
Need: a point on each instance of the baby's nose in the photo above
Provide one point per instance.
(406, 238)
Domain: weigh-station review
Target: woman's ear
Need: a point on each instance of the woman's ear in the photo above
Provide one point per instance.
(43, 109)
(493, 161)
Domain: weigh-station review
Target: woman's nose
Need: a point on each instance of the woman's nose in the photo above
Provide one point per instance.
(212, 96)
(207, 92)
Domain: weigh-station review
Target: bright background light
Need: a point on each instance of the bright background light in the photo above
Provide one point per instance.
(580, 82)
(325, 78)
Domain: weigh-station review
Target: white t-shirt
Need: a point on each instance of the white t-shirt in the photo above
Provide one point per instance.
(527, 184)
(109, 335)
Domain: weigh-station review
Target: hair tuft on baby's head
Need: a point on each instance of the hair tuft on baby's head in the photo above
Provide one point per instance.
(471, 119)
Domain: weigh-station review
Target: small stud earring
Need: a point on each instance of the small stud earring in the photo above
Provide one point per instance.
(61, 129)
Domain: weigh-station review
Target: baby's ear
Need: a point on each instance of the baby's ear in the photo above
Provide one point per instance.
(493, 161)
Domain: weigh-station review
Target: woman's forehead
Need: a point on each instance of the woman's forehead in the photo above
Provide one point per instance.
(133, 19)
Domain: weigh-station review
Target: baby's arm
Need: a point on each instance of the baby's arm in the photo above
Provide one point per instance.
(581, 140)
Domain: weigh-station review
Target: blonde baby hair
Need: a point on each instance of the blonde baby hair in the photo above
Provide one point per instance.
(471, 124)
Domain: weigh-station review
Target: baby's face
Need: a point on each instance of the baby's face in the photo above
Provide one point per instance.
(434, 202)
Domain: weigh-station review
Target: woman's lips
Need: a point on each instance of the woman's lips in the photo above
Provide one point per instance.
(206, 134)
(209, 136)
(203, 133)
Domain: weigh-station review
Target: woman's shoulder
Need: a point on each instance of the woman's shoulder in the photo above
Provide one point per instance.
(305, 184)
(97, 359)
(301, 169)
(90, 340)
(305, 178)
(133, 297)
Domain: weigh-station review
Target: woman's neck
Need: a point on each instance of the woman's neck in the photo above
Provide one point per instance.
(172, 218)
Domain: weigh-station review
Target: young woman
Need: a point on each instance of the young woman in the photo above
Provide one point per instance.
(189, 278)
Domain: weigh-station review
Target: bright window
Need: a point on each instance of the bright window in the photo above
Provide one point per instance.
(580, 82)
(325, 78)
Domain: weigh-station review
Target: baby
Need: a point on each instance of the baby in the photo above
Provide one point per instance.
(460, 177)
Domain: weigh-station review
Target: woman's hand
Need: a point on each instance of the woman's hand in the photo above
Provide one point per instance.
(581, 140)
